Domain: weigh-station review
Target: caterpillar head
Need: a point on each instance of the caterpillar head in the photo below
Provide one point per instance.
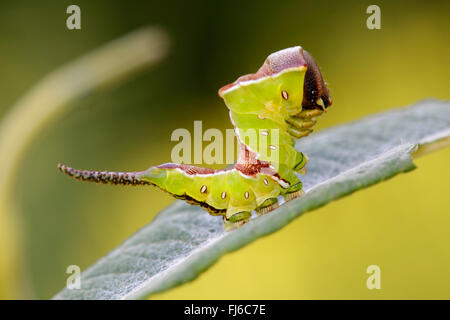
(296, 78)
(315, 90)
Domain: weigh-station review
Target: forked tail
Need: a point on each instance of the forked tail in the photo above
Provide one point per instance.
(124, 178)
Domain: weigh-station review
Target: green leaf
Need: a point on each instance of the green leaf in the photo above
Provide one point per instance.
(183, 240)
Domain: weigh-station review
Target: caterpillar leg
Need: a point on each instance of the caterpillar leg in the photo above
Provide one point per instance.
(267, 206)
(301, 124)
(294, 195)
(299, 128)
(236, 220)
(309, 113)
(294, 192)
(298, 133)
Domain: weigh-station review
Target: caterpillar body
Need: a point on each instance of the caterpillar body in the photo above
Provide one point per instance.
(283, 97)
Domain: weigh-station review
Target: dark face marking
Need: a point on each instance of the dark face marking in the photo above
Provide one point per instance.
(315, 92)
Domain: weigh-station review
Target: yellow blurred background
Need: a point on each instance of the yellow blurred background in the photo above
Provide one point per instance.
(401, 225)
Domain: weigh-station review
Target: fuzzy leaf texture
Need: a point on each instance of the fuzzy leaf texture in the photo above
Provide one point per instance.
(183, 240)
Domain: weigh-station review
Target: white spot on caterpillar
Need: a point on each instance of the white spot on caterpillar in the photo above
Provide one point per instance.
(203, 189)
(223, 195)
(284, 94)
(283, 183)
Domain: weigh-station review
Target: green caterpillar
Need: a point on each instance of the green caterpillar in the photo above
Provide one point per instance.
(279, 103)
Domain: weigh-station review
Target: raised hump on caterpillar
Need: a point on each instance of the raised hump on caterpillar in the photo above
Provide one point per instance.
(288, 94)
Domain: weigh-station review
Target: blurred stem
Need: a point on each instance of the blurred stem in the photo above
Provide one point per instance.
(48, 99)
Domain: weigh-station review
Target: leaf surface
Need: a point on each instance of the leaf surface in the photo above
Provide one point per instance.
(183, 240)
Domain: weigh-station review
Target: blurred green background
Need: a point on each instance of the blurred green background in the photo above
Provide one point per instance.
(401, 225)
